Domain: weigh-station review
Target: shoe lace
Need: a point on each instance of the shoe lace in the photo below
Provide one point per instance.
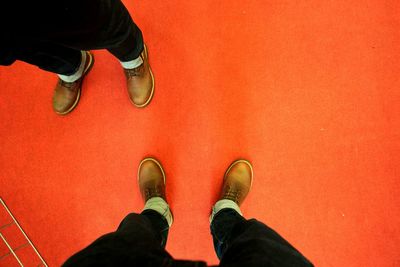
(150, 192)
(232, 194)
(68, 85)
(134, 72)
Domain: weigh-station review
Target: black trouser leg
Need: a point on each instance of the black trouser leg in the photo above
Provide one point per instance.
(159, 224)
(50, 57)
(138, 241)
(104, 24)
(127, 39)
(241, 242)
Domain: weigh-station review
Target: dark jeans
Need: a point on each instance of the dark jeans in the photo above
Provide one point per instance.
(239, 242)
(50, 34)
(140, 240)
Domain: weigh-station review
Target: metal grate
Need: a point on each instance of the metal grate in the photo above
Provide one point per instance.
(21, 253)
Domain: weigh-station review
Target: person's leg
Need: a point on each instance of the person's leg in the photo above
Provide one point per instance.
(140, 238)
(241, 242)
(155, 223)
(70, 64)
(129, 48)
(110, 27)
(151, 180)
(49, 56)
(221, 229)
(122, 38)
(159, 223)
(82, 26)
(136, 243)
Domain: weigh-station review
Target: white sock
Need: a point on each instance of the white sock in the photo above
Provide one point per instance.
(132, 64)
(78, 73)
(158, 204)
(224, 204)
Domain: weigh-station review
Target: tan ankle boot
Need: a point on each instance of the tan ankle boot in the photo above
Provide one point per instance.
(237, 181)
(140, 82)
(151, 178)
(67, 94)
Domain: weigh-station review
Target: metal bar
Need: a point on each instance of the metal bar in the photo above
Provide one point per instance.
(15, 255)
(26, 237)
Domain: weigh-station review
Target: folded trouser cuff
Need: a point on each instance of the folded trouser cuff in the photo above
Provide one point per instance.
(132, 63)
(159, 205)
(224, 204)
(78, 74)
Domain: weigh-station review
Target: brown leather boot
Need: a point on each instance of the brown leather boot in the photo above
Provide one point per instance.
(237, 181)
(140, 82)
(66, 95)
(151, 178)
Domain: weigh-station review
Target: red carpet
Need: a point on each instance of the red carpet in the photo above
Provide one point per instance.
(309, 92)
